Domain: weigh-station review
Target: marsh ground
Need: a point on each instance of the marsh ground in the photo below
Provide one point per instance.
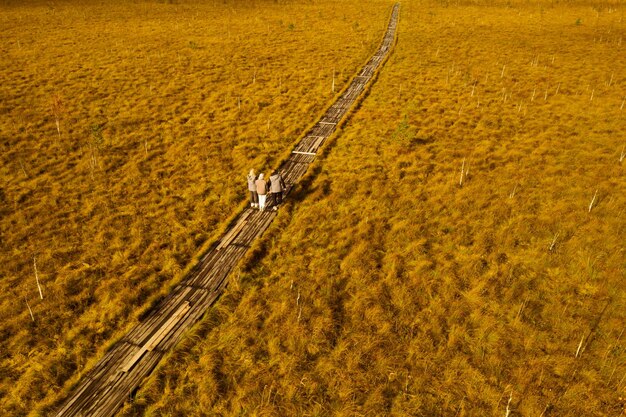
(389, 284)
(162, 109)
(389, 287)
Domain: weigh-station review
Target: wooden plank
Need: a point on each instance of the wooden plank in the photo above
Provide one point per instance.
(219, 282)
(233, 231)
(156, 338)
(318, 143)
(78, 401)
(143, 331)
(297, 158)
(210, 277)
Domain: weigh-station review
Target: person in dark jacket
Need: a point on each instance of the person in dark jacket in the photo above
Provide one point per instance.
(261, 189)
(277, 186)
(254, 196)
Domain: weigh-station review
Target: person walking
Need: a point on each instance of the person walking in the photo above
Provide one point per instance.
(261, 189)
(254, 196)
(277, 186)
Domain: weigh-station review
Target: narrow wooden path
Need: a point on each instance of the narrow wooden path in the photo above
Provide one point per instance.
(105, 388)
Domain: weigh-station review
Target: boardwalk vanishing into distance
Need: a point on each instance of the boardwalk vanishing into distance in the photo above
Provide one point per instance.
(105, 388)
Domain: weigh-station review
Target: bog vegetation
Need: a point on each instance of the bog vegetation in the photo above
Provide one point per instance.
(127, 130)
(458, 250)
(460, 247)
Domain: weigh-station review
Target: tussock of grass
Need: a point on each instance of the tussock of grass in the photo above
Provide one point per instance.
(162, 108)
(390, 289)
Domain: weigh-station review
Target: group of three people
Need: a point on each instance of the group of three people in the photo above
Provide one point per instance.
(259, 188)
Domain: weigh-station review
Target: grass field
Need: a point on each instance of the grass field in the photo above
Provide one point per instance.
(127, 129)
(459, 250)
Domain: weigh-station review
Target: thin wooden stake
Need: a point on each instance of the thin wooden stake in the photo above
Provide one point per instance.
(29, 310)
(26, 175)
(558, 87)
(621, 156)
(593, 200)
(521, 307)
(508, 405)
(502, 73)
(553, 242)
(37, 277)
(462, 173)
(580, 345)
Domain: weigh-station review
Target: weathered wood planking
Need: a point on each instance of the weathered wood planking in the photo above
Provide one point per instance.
(112, 381)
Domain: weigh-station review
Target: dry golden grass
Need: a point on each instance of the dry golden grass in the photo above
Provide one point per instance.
(386, 288)
(161, 109)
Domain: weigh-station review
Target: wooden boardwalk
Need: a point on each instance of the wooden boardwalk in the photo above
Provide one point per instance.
(105, 388)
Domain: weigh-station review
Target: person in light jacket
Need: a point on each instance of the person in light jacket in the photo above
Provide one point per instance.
(254, 196)
(277, 186)
(261, 189)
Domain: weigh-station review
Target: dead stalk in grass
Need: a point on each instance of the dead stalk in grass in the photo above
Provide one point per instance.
(57, 109)
(29, 310)
(580, 345)
(37, 277)
(462, 173)
(508, 405)
(553, 244)
(593, 200)
(26, 175)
